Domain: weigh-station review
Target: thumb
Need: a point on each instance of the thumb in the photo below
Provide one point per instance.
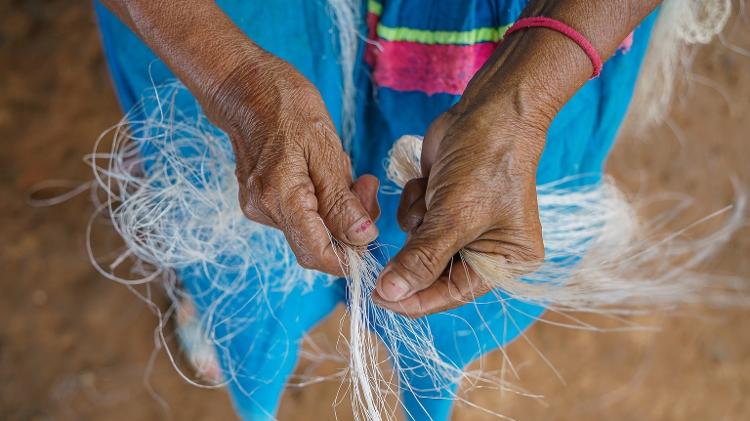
(366, 189)
(427, 252)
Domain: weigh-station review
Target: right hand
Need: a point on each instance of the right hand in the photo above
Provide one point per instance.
(292, 170)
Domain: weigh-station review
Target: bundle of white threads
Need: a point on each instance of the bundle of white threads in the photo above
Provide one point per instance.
(681, 25)
(177, 207)
(622, 269)
(183, 211)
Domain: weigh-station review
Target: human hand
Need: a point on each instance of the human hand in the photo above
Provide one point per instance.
(479, 162)
(480, 194)
(479, 159)
(292, 170)
(293, 173)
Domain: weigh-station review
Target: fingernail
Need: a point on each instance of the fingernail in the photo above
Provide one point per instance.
(362, 231)
(392, 287)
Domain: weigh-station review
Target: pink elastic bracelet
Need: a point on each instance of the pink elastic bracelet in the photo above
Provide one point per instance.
(556, 25)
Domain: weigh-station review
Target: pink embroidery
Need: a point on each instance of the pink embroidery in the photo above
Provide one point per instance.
(432, 69)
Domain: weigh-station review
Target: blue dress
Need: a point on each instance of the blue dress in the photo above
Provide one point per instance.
(427, 52)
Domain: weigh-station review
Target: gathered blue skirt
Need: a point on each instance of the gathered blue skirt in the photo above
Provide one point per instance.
(426, 52)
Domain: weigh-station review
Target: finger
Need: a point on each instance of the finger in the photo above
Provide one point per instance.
(291, 206)
(432, 138)
(342, 211)
(305, 232)
(251, 201)
(414, 215)
(366, 189)
(412, 200)
(457, 286)
(424, 257)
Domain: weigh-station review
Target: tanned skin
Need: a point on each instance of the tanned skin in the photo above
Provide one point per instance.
(479, 158)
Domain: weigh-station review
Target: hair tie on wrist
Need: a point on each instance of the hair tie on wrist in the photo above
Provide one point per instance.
(556, 25)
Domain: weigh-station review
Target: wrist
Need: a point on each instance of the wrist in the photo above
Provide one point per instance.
(528, 79)
(261, 95)
(539, 68)
(224, 95)
(197, 41)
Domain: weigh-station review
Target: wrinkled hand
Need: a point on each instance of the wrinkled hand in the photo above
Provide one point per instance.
(292, 170)
(479, 193)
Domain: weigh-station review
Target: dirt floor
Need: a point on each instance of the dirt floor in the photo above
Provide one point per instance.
(74, 346)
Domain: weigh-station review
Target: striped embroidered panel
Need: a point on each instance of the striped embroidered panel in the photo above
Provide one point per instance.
(429, 61)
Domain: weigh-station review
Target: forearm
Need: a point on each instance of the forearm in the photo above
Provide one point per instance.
(538, 70)
(604, 23)
(196, 40)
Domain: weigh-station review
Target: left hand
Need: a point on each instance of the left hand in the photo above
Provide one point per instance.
(479, 193)
(479, 159)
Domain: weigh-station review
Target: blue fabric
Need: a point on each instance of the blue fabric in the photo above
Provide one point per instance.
(263, 354)
(449, 15)
(259, 330)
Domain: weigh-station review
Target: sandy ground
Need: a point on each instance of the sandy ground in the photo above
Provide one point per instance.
(74, 346)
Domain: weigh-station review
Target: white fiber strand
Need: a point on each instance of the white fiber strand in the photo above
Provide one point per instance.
(171, 193)
(347, 15)
(621, 269)
(680, 25)
(176, 208)
(177, 205)
(403, 336)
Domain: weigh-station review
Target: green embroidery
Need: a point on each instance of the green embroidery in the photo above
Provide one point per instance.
(441, 37)
(374, 7)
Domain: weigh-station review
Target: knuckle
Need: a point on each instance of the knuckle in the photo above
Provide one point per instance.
(440, 125)
(339, 200)
(303, 94)
(535, 244)
(537, 260)
(249, 205)
(472, 290)
(316, 259)
(252, 213)
(414, 188)
(337, 204)
(413, 219)
(305, 255)
(255, 190)
(536, 252)
(306, 261)
(316, 256)
(257, 199)
(420, 266)
(310, 254)
(266, 198)
(297, 201)
(253, 185)
(530, 254)
(415, 314)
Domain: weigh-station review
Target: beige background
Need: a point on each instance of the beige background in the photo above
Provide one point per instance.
(75, 347)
